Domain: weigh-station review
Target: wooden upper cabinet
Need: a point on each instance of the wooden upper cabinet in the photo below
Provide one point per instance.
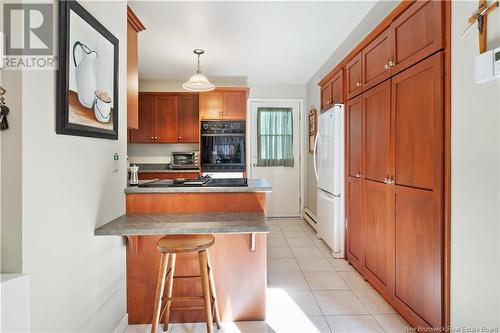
(332, 92)
(224, 104)
(417, 104)
(355, 235)
(376, 58)
(189, 123)
(377, 132)
(418, 33)
(338, 88)
(234, 105)
(353, 71)
(134, 26)
(326, 95)
(378, 226)
(354, 111)
(211, 105)
(418, 262)
(166, 119)
(145, 132)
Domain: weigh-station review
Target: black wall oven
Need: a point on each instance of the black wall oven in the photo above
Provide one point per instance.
(223, 146)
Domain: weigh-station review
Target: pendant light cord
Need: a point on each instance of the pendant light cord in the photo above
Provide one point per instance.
(199, 70)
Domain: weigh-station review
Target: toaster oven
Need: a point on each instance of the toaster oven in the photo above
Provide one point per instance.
(185, 160)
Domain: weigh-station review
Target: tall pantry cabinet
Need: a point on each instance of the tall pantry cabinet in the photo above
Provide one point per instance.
(395, 155)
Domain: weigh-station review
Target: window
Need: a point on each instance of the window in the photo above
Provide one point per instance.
(274, 137)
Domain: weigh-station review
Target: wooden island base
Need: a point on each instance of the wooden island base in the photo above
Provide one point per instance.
(238, 259)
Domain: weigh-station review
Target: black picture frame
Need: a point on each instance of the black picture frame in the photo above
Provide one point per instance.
(63, 126)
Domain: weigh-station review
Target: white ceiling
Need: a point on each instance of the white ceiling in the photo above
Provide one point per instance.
(268, 42)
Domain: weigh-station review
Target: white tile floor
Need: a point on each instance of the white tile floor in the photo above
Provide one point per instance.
(309, 291)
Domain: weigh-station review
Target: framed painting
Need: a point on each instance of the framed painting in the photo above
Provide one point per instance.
(87, 81)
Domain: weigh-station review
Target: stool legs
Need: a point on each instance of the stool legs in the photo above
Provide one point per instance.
(213, 291)
(162, 272)
(206, 288)
(170, 283)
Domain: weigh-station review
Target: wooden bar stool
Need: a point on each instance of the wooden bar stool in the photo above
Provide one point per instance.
(169, 246)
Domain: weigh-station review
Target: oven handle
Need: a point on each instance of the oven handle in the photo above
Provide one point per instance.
(223, 134)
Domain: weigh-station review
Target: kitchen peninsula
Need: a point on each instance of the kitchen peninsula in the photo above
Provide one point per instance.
(234, 214)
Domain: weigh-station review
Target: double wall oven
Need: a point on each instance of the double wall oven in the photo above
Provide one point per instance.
(223, 146)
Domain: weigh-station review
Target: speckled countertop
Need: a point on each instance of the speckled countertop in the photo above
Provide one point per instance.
(254, 185)
(165, 224)
(161, 168)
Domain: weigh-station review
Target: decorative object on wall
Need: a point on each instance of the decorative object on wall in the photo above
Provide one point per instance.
(481, 16)
(4, 110)
(312, 128)
(87, 87)
(198, 82)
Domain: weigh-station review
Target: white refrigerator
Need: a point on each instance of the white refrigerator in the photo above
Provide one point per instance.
(329, 169)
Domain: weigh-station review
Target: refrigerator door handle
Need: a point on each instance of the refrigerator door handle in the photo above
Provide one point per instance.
(315, 156)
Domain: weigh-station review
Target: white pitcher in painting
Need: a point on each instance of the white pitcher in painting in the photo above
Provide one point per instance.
(86, 81)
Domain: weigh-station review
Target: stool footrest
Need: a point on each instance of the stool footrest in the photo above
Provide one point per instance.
(185, 298)
(187, 308)
(187, 276)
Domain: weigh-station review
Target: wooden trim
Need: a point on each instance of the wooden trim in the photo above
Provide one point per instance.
(134, 20)
(386, 23)
(168, 93)
(447, 167)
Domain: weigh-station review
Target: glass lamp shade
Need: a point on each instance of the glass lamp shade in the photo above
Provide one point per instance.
(198, 82)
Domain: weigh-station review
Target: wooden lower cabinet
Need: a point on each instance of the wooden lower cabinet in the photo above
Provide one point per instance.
(418, 262)
(355, 234)
(394, 239)
(395, 228)
(378, 227)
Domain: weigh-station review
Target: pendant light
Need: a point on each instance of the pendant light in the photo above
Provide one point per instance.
(198, 82)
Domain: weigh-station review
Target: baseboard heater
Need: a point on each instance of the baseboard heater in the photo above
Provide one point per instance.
(310, 217)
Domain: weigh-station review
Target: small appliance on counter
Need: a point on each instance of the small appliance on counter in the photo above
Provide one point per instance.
(134, 175)
(185, 160)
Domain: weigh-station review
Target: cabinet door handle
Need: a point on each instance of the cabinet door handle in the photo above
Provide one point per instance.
(151, 138)
(386, 180)
(156, 138)
(220, 113)
(180, 138)
(358, 84)
(386, 66)
(358, 175)
(392, 64)
(225, 113)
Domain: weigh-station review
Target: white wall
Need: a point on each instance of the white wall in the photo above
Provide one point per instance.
(379, 11)
(11, 168)
(475, 179)
(10, 174)
(77, 280)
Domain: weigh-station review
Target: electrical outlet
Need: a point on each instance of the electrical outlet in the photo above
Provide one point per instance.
(116, 159)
